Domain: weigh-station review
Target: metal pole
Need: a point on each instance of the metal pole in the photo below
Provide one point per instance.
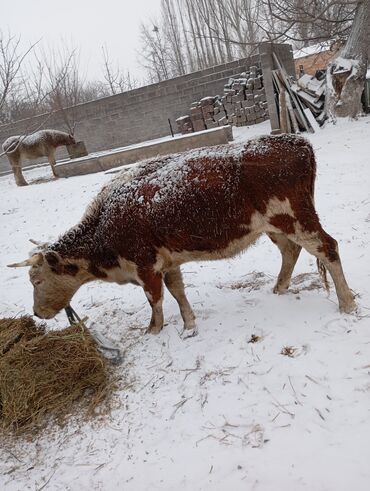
(169, 122)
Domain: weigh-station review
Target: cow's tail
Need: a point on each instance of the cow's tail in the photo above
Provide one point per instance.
(312, 163)
(323, 274)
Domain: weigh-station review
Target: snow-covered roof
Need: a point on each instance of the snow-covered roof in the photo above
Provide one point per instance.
(312, 50)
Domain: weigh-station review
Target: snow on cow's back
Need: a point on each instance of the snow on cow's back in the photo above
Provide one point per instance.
(154, 180)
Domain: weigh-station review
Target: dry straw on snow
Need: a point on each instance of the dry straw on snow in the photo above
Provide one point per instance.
(45, 373)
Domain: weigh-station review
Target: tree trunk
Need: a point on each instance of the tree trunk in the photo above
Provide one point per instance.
(346, 73)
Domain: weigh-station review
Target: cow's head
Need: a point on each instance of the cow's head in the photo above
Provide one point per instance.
(55, 281)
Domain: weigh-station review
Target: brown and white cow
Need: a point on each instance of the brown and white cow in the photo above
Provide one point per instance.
(203, 204)
(42, 143)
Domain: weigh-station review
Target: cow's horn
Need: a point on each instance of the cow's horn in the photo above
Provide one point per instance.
(31, 261)
(38, 243)
(22, 264)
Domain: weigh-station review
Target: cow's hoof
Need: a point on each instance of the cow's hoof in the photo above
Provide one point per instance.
(22, 183)
(279, 289)
(189, 332)
(152, 329)
(348, 308)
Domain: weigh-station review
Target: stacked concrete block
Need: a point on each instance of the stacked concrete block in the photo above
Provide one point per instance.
(185, 125)
(242, 103)
(245, 98)
(207, 114)
(196, 115)
(208, 111)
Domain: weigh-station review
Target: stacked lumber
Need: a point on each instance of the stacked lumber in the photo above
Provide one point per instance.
(242, 103)
(294, 116)
(311, 91)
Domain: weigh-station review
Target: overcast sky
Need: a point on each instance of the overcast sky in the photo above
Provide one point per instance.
(88, 24)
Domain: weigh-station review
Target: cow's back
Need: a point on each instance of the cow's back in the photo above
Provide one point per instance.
(197, 199)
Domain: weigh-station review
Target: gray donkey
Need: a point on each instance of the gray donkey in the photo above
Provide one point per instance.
(42, 143)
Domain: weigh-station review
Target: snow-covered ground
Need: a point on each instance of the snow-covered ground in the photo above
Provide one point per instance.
(215, 412)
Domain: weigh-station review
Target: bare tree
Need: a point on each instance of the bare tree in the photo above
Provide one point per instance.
(193, 34)
(63, 82)
(154, 55)
(311, 21)
(11, 60)
(116, 80)
(172, 34)
(346, 74)
(304, 22)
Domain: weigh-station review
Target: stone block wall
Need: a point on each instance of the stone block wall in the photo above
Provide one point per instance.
(242, 103)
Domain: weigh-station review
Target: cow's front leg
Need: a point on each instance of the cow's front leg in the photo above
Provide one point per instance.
(153, 288)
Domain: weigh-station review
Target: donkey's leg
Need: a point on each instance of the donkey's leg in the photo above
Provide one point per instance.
(52, 162)
(289, 254)
(153, 288)
(175, 285)
(16, 166)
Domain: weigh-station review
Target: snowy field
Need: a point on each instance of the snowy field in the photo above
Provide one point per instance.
(214, 412)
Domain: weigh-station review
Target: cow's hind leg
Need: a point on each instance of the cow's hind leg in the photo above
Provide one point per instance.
(289, 253)
(153, 288)
(325, 248)
(175, 285)
(17, 171)
(310, 235)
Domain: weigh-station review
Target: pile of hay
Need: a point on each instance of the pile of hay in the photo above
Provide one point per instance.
(45, 373)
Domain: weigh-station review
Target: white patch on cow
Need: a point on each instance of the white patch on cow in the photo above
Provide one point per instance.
(126, 272)
(161, 262)
(275, 206)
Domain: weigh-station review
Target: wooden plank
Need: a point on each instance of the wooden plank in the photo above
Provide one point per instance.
(266, 65)
(311, 119)
(312, 86)
(284, 119)
(292, 115)
(307, 97)
(295, 117)
(294, 98)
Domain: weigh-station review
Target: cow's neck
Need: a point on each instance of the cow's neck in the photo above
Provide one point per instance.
(77, 242)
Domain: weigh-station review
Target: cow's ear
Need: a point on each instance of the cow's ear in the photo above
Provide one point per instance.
(54, 261)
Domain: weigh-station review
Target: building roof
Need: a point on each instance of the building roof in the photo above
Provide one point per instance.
(314, 49)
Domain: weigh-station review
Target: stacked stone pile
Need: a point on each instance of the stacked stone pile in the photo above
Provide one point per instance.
(242, 103)
(185, 125)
